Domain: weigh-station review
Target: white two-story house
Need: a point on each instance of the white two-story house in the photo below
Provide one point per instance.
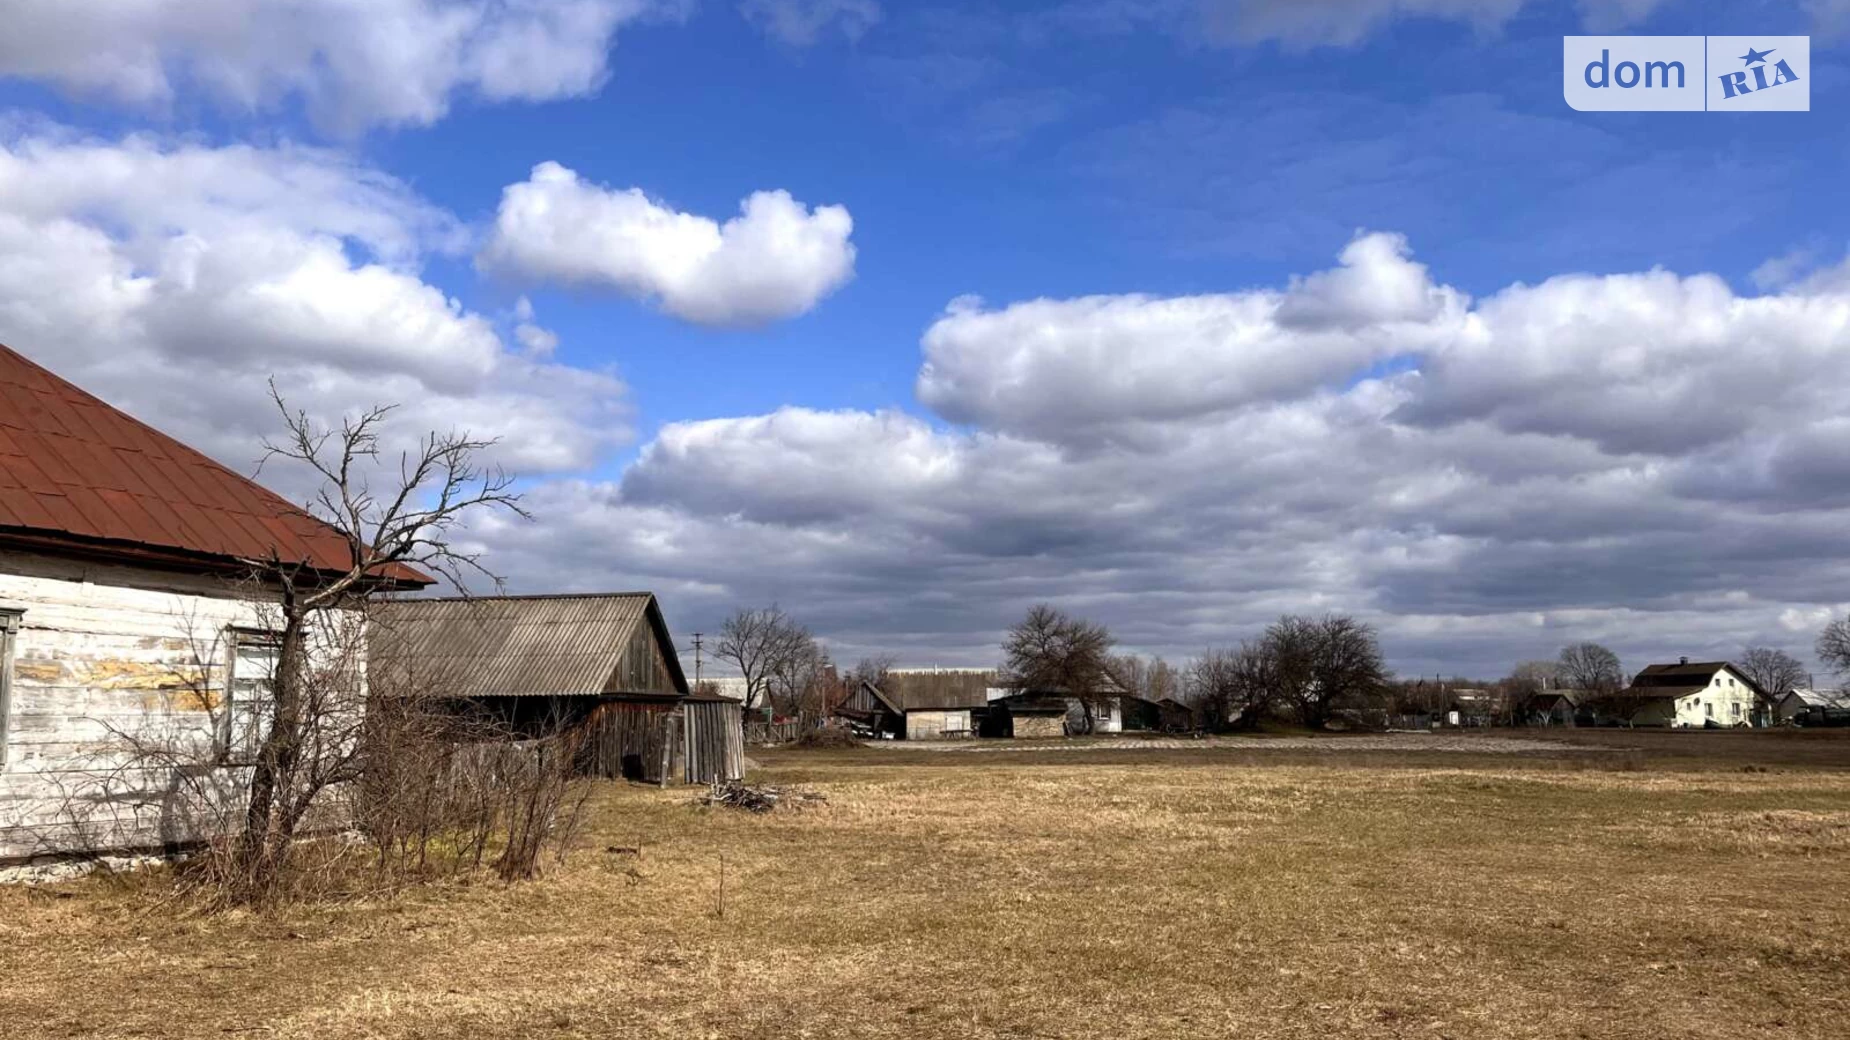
(1689, 694)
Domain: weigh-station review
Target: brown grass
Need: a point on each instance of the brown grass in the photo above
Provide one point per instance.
(978, 898)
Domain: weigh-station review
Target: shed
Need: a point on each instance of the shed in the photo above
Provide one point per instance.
(1805, 706)
(1556, 707)
(1175, 717)
(919, 704)
(1026, 717)
(603, 664)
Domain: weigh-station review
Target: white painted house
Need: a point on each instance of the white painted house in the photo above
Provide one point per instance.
(1691, 695)
(128, 620)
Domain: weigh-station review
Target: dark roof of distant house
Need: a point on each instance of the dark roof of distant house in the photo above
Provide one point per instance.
(521, 646)
(79, 475)
(1683, 679)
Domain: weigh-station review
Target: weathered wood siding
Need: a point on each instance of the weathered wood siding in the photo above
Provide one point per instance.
(715, 736)
(633, 741)
(642, 669)
(105, 654)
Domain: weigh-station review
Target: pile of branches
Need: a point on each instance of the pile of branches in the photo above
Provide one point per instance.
(757, 798)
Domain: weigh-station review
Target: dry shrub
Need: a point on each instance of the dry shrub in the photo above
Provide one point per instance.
(828, 737)
(441, 793)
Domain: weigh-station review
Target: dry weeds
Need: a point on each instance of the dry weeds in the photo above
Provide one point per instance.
(1040, 900)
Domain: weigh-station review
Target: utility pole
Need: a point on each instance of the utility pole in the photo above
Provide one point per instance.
(697, 646)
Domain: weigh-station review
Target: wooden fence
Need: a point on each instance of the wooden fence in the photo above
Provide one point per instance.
(762, 734)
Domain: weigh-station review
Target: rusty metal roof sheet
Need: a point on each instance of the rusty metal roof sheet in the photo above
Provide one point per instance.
(518, 646)
(76, 472)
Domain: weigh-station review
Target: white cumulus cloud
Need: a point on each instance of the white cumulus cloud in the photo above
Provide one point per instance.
(1649, 459)
(1054, 368)
(776, 259)
(353, 65)
(177, 280)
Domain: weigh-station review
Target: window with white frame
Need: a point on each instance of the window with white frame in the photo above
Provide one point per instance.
(249, 689)
(9, 635)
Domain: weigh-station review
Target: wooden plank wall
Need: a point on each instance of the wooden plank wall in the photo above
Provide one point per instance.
(630, 741)
(642, 669)
(715, 742)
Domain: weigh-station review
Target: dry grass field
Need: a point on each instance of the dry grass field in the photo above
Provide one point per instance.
(1632, 894)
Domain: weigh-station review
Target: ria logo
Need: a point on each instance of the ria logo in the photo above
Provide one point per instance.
(1735, 84)
(1687, 73)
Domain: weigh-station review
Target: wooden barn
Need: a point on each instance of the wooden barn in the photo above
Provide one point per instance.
(920, 704)
(602, 664)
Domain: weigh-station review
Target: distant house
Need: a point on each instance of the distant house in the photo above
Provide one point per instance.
(1112, 711)
(601, 663)
(1025, 717)
(1805, 705)
(1176, 717)
(920, 703)
(1552, 708)
(1683, 695)
(129, 614)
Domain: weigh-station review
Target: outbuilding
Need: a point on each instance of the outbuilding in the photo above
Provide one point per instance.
(601, 664)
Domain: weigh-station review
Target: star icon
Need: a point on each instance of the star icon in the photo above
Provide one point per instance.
(1754, 57)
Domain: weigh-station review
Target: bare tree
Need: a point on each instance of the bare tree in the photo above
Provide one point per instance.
(763, 643)
(1233, 688)
(872, 669)
(1321, 663)
(1528, 681)
(1833, 646)
(1530, 676)
(1153, 680)
(1590, 667)
(307, 742)
(1773, 672)
(1051, 650)
(806, 684)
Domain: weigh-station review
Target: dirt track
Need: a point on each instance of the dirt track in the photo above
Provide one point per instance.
(1477, 745)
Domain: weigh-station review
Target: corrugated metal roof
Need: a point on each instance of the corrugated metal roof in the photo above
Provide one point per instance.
(75, 471)
(1812, 698)
(517, 646)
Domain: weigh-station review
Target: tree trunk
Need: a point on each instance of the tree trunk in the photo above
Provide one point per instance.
(269, 818)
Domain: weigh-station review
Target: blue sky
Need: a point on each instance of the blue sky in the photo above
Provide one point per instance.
(1190, 157)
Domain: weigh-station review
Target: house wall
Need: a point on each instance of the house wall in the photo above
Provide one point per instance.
(106, 655)
(1039, 727)
(1728, 702)
(938, 725)
(1107, 716)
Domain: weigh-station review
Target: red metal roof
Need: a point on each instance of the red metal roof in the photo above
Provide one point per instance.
(76, 472)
